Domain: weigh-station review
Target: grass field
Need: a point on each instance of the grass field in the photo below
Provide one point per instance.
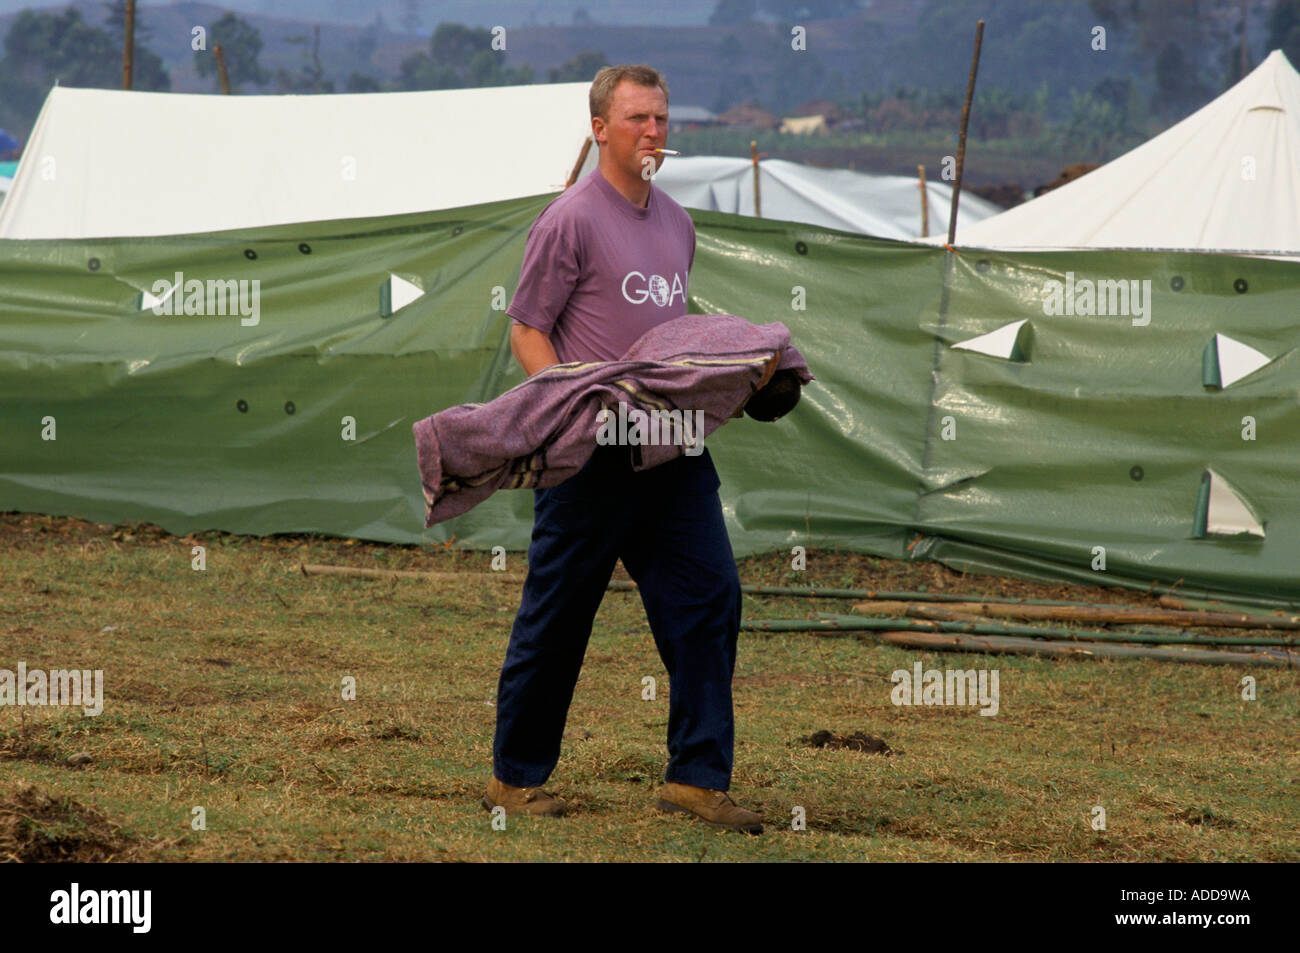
(223, 691)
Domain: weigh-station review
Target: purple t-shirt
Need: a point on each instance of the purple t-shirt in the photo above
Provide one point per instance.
(598, 272)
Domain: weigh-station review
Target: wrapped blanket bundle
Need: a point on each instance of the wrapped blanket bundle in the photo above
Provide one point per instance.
(698, 368)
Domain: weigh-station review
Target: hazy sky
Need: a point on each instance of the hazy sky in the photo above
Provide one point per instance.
(472, 12)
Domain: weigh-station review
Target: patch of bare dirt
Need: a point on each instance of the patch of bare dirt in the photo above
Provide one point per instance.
(857, 741)
(36, 827)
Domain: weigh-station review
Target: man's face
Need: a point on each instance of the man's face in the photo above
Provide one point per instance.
(637, 124)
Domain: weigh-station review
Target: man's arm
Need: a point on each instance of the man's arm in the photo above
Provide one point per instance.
(532, 349)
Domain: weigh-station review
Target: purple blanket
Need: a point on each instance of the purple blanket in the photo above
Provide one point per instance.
(679, 382)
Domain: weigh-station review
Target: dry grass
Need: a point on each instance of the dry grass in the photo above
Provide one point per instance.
(223, 691)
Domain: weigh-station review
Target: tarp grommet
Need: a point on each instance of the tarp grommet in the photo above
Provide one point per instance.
(241, 406)
(801, 248)
(1240, 286)
(288, 407)
(93, 264)
(304, 248)
(250, 254)
(1136, 473)
(1176, 282)
(457, 230)
(982, 264)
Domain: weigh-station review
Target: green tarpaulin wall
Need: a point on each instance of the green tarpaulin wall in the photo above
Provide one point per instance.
(903, 447)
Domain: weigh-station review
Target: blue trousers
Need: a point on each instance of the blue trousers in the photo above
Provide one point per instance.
(666, 525)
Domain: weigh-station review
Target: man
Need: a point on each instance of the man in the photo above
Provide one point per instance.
(605, 262)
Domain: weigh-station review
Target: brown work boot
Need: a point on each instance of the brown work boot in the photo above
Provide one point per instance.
(521, 800)
(716, 807)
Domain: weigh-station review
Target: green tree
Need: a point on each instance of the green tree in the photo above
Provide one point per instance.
(1118, 91)
(41, 48)
(580, 68)
(310, 77)
(147, 71)
(460, 56)
(1178, 86)
(1194, 45)
(488, 68)
(1284, 29)
(1097, 129)
(456, 45)
(418, 71)
(242, 44)
(363, 83)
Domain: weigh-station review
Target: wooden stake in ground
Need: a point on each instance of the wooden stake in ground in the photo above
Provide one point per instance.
(577, 166)
(961, 141)
(753, 153)
(128, 45)
(220, 56)
(925, 203)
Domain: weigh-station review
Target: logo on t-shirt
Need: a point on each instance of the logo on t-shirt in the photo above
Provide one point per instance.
(637, 288)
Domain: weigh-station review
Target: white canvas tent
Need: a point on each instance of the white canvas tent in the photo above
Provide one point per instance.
(108, 163)
(1226, 178)
(886, 206)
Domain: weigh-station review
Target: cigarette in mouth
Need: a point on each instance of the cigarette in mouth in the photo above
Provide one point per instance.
(668, 152)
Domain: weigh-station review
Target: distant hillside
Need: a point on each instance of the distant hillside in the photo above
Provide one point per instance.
(1029, 47)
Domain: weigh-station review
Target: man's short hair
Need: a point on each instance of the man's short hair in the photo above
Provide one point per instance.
(602, 87)
(777, 398)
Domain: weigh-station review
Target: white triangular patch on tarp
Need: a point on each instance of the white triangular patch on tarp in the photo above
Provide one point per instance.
(999, 343)
(1236, 360)
(148, 300)
(401, 292)
(1227, 513)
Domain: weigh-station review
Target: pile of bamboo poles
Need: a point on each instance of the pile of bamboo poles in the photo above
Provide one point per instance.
(961, 622)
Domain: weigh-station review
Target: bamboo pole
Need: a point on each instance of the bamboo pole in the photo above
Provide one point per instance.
(220, 56)
(813, 592)
(128, 46)
(944, 642)
(753, 152)
(961, 141)
(1262, 602)
(908, 632)
(1116, 614)
(317, 569)
(925, 203)
(846, 622)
